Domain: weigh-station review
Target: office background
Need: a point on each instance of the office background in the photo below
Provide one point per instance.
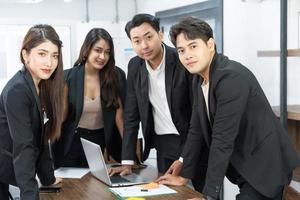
(248, 26)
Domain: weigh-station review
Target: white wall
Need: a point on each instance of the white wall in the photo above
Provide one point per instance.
(152, 6)
(258, 28)
(99, 10)
(293, 43)
(71, 15)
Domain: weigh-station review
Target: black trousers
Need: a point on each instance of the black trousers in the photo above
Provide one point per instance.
(198, 184)
(76, 157)
(168, 149)
(4, 194)
(247, 192)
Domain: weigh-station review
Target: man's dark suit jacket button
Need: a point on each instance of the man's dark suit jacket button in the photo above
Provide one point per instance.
(75, 130)
(217, 189)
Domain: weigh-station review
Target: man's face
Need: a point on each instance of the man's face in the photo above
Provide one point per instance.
(195, 55)
(146, 42)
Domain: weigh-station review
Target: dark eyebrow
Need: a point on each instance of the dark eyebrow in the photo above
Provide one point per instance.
(44, 50)
(147, 33)
(97, 47)
(136, 37)
(191, 43)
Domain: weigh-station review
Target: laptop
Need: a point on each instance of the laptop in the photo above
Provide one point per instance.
(98, 167)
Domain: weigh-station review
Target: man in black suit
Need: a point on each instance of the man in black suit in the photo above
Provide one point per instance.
(158, 96)
(232, 121)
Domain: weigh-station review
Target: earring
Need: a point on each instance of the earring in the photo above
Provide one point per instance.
(27, 62)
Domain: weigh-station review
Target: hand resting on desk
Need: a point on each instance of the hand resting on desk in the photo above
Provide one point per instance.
(169, 179)
(123, 170)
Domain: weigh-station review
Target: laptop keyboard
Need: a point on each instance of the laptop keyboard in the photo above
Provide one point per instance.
(118, 179)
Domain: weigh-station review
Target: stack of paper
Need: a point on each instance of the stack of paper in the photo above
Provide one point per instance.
(295, 185)
(71, 172)
(142, 190)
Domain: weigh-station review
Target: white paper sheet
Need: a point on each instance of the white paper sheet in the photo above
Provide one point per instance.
(295, 185)
(71, 172)
(136, 191)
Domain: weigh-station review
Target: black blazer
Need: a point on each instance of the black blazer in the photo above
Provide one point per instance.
(22, 152)
(243, 132)
(138, 107)
(74, 78)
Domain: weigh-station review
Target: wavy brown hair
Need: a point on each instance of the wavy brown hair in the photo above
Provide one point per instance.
(110, 89)
(51, 90)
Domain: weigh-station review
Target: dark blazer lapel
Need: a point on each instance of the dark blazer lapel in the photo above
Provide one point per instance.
(211, 100)
(30, 82)
(106, 112)
(202, 110)
(211, 105)
(144, 84)
(169, 70)
(80, 92)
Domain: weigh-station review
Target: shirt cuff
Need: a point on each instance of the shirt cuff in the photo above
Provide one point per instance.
(127, 162)
(181, 159)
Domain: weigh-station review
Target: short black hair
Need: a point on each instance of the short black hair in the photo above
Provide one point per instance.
(193, 28)
(139, 19)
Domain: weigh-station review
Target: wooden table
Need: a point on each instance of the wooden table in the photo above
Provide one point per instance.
(90, 188)
(293, 123)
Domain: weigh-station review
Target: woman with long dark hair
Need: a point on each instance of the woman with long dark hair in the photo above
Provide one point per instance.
(31, 114)
(95, 89)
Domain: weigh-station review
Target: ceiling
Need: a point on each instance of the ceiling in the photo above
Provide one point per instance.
(20, 1)
(31, 1)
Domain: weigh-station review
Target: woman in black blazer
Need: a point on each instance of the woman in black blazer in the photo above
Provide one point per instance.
(95, 90)
(30, 115)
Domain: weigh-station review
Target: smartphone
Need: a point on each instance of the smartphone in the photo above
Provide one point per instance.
(49, 189)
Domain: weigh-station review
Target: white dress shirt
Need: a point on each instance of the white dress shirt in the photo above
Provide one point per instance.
(205, 89)
(163, 123)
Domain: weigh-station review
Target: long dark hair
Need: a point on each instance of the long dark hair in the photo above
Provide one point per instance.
(110, 88)
(51, 90)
